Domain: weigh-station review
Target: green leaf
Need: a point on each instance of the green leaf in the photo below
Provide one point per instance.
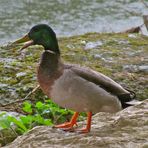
(27, 107)
(48, 122)
(2, 114)
(26, 119)
(5, 124)
(39, 119)
(39, 105)
(17, 122)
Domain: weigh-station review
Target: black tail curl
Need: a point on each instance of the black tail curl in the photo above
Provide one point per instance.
(127, 98)
(132, 93)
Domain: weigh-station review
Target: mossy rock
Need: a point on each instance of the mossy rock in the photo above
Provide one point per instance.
(108, 53)
(7, 136)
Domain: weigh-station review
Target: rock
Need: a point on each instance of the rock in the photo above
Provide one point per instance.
(98, 56)
(127, 128)
(91, 45)
(115, 50)
(20, 74)
(144, 68)
(136, 68)
(132, 36)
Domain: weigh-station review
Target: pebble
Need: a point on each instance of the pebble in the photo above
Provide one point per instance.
(136, 68)
(91, 45)
(20, 74)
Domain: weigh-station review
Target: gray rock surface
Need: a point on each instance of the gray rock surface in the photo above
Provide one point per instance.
(125, 129)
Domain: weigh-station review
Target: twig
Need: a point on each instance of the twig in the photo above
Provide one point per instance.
(24, 99)
(145, 19)
(133, 29)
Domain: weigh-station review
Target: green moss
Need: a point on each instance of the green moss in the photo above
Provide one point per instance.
(116, 51)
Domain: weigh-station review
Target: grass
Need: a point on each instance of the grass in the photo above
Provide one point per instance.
(18, 75)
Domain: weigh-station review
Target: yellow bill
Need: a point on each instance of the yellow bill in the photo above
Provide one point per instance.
(28, 42)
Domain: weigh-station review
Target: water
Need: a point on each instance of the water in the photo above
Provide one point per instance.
(68, 17)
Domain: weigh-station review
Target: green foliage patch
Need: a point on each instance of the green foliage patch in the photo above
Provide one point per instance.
(41, 113)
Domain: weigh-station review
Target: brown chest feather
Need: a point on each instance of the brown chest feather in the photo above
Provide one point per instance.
(46, 80)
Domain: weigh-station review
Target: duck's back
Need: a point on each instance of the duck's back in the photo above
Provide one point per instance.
(82, 89)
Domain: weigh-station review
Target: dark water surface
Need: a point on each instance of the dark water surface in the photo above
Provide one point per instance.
(68, 17)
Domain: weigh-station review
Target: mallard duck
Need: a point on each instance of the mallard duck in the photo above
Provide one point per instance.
(73, 87)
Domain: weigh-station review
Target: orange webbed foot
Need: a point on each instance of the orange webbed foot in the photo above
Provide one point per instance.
(88, 126)
(68, 125)
(65, 125)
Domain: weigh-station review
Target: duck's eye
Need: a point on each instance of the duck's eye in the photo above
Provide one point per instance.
(36, 29)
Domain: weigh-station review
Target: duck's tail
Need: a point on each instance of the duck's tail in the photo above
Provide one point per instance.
(128, 99)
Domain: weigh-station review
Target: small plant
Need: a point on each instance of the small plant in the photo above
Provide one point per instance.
(40, 113)
(4, 122)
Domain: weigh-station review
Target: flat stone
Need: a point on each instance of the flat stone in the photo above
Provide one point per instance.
(127, 128)
(91, 45)
(136, 68)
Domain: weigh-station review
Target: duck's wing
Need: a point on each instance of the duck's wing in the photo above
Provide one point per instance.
(102, 81)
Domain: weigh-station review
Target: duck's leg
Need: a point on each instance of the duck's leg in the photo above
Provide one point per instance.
(88, 126)
(68, 125)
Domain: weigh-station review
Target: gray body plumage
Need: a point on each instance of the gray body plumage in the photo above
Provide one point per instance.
(74, 92)
(78, 88)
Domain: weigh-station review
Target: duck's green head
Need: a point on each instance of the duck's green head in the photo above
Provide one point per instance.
(43, 35)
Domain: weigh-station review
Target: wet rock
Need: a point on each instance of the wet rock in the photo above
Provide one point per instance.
(116, 50)
(127, 128)
(7, 60)
(132, 36)
(21, 74)
(123, 42)
(97, 56)
(143, 68)
(3, 85)
(91, 45)
(103, 58)
(130, 68)
(136, 68)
